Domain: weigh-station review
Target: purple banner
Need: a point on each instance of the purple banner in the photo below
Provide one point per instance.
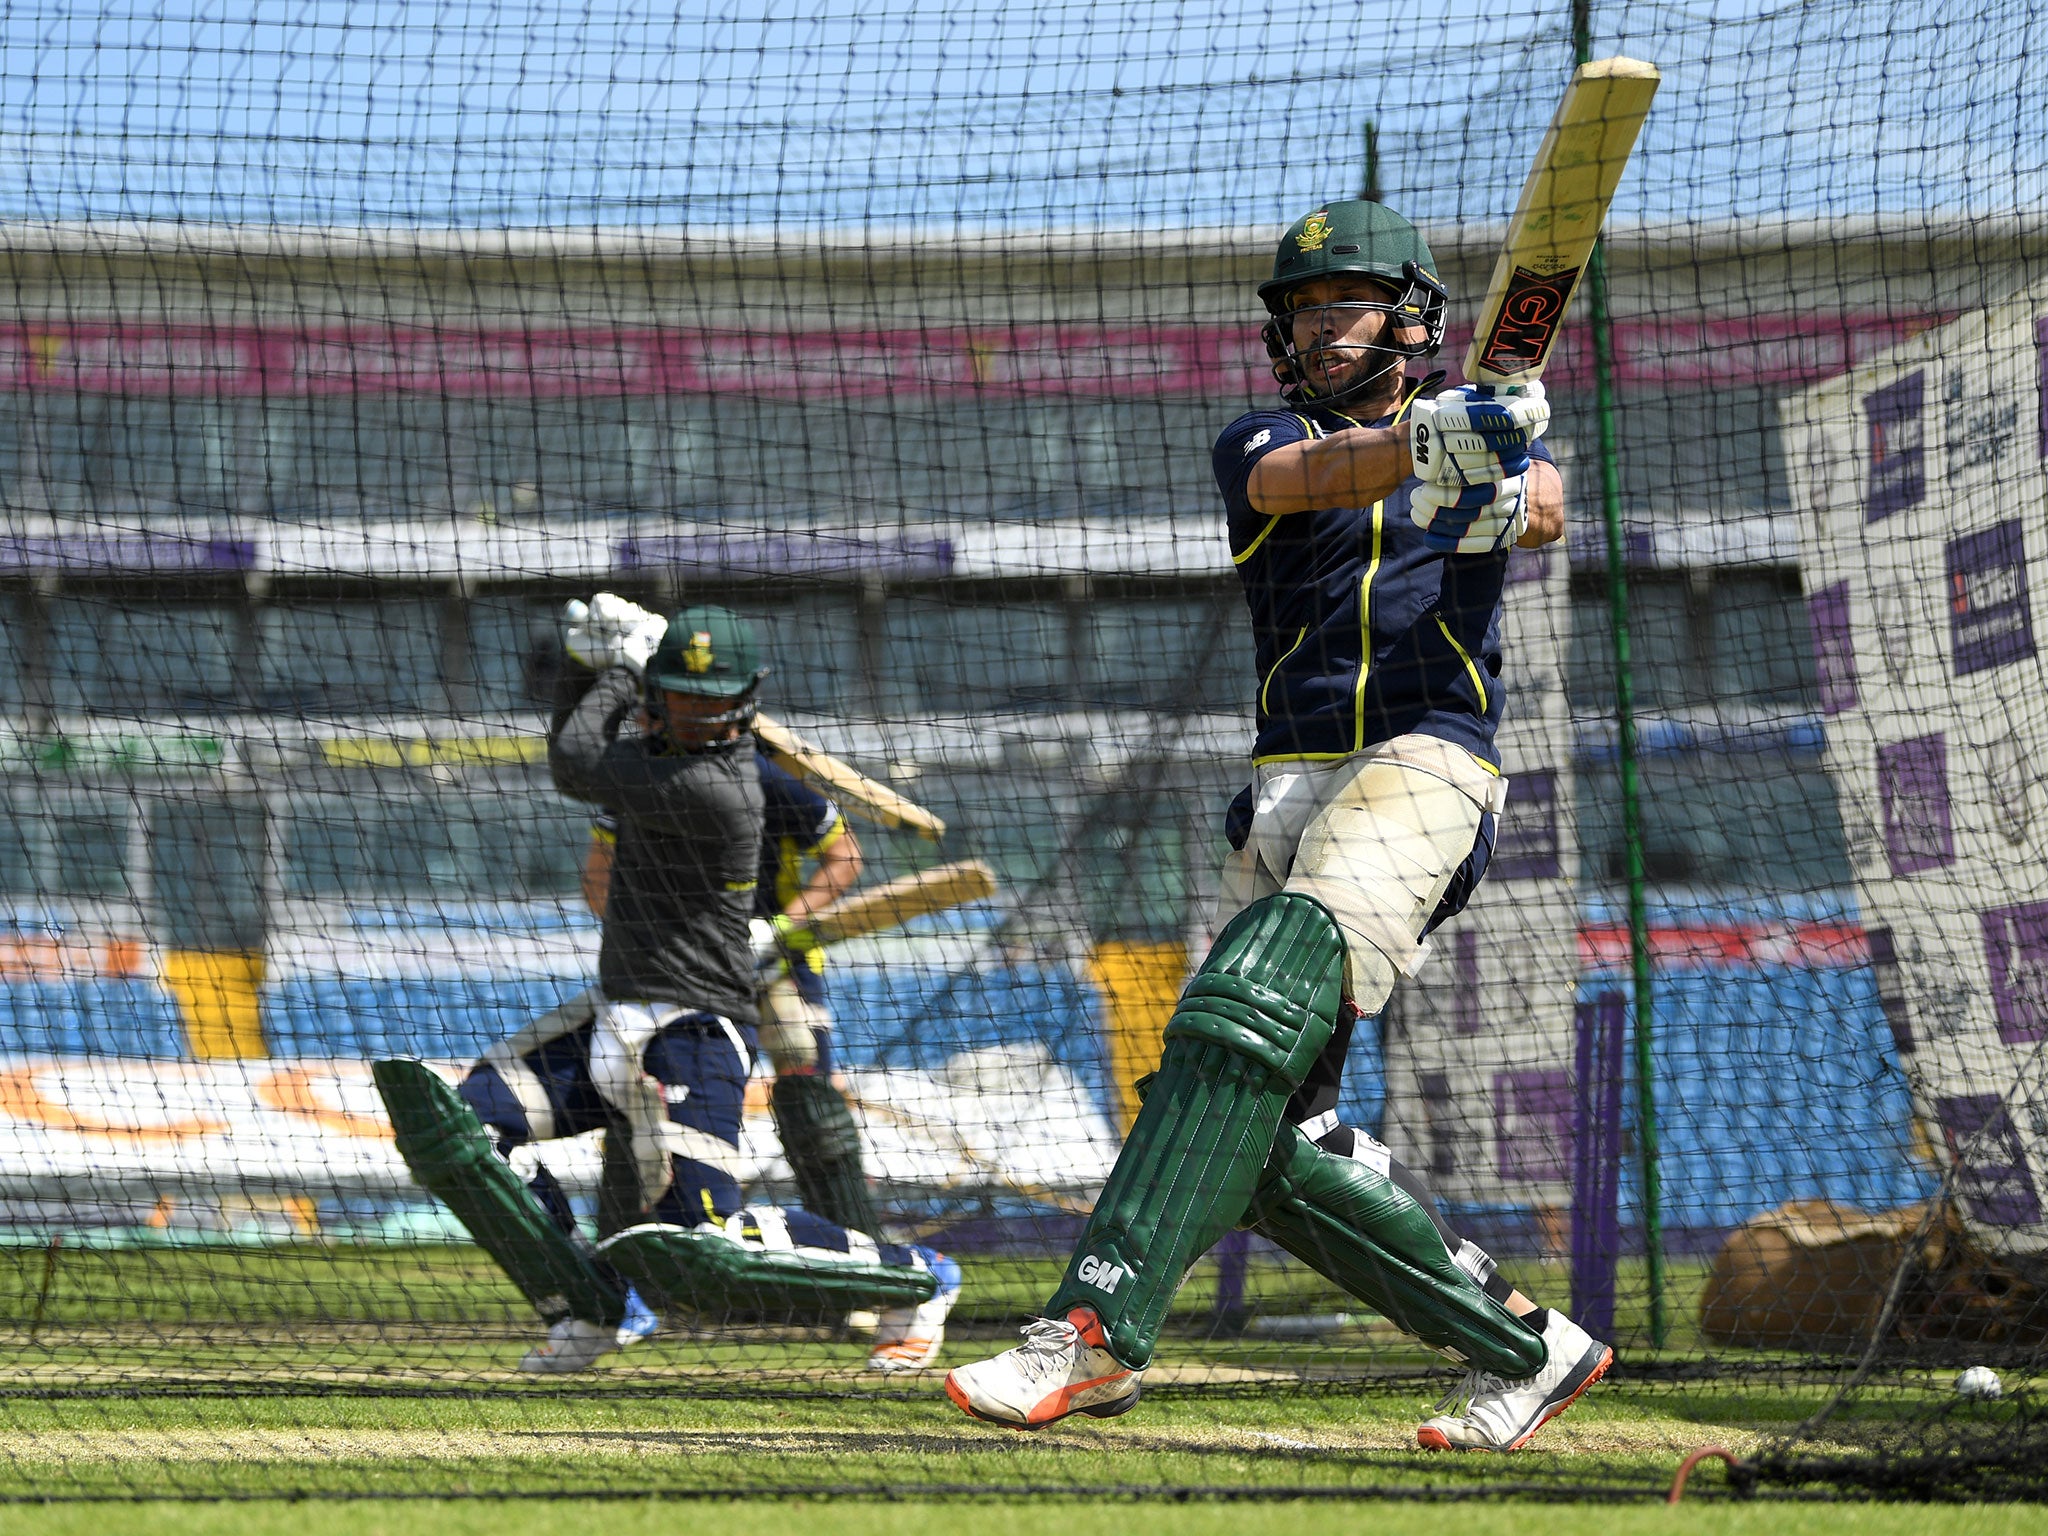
(1912, 787)
(1529, 845)
(1597, 1030)
(2016, 946)
(1533, 1126)
(1898, 453)
(1991, 1166)
(1529, 564)
(791, 554)
(124, 552)
(1834, 647)
(1990, 616)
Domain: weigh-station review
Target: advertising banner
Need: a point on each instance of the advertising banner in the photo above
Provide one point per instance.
(1918, 481)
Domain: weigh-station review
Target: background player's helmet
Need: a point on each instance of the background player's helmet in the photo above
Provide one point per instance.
(1353, 237)
(710, 652)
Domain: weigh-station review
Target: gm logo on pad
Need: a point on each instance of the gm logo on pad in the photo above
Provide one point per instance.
(1101, 1274)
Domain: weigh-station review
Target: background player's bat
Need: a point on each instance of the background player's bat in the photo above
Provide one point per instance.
(1563, 205)
(861, 795)
(886, 906)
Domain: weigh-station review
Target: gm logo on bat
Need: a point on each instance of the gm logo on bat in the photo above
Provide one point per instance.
(1529, 316)
(1104, 1276)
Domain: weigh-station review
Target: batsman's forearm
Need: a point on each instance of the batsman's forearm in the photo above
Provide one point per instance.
(580, 736)
(1546, 506)
(1352, 468)
(572, 681)
(838, 867)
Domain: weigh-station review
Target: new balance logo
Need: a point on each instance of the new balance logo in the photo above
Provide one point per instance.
(1258, 441)
(1105, 1277)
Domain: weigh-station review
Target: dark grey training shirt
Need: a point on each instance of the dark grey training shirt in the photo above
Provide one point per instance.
(688, 854)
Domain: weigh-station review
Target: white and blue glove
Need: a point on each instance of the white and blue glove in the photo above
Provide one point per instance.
(1471, 519)
(609, 631)
(779, 939)
(1475, 434)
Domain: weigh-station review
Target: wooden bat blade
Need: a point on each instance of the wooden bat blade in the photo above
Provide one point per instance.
(859, 794)
(1563, 204)
(896, 903)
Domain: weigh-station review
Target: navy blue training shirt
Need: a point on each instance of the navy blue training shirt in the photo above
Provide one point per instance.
(1363, 632)
(798, 821)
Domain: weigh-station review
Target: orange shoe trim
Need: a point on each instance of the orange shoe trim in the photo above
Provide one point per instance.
(1598, 1371)
(1431, 1439)
(1088, 1324)
(916, 1351)
(1061, 1402)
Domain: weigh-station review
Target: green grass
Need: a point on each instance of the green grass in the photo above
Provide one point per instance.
(837, 1432)
(454, 1291)
(314, 1371)
(1113, 1517)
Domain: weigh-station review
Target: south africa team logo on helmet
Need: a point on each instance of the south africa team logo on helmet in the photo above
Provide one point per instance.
(1315, 229)
(697, 655)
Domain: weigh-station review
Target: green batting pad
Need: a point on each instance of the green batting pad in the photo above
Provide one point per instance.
(450, 1154)
(1360, 1229)
(823, 1147)
(1249, 1026)
(706, 1271)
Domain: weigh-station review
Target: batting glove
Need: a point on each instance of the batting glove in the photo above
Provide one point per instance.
(777, 939)
(1475, 435)
(1471, 519)
(609, 631)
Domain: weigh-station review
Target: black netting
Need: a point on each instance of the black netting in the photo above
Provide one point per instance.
(345, 347)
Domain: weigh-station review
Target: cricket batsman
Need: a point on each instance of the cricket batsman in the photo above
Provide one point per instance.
(812, 1118)
(652, 728)
(1371, 529)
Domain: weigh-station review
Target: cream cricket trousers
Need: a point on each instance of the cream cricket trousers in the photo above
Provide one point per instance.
(1375, 837)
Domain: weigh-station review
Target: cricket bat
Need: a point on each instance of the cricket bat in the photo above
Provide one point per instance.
(1564, 202)
(897, 902)
(861, 795)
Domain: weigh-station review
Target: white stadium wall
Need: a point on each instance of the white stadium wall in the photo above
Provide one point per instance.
(1919, 493)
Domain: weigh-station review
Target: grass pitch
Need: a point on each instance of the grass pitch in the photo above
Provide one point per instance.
(319, 1372)
(1068, 1517)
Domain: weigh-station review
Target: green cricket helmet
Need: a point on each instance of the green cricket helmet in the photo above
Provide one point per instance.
(1364, 239)
(710, 652)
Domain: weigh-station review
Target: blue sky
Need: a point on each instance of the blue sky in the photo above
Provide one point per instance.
(894, 113)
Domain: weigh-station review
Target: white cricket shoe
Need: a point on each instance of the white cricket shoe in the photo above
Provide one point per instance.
(908, 1338)
(574, 1345)
(1063, 1366)
(1503, 1415)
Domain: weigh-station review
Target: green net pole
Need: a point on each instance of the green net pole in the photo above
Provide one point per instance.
(1625, 745)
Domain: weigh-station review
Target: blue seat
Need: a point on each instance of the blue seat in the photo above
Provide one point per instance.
(439, 1017)
(90, 1016)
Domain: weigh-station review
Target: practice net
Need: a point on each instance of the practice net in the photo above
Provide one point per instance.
(345, 347)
